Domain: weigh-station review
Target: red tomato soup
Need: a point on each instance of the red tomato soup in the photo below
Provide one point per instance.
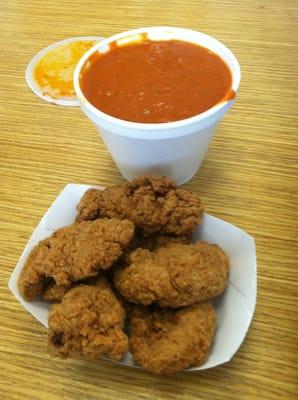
(156, 81)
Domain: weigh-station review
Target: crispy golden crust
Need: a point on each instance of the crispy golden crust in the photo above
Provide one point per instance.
(55, 292)
(154, 204)
(88, 207)
(173, 276)
(88, 322)
(151, 243)
(167, 341)
(75, 252)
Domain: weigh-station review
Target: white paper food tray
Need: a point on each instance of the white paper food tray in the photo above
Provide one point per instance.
(234, 308)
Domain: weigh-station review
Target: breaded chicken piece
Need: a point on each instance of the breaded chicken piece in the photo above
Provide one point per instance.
(173, 276)
(73, 253)
(154, 204)
(88, 322)
(153, 242)
(55, 292)
(166, 341)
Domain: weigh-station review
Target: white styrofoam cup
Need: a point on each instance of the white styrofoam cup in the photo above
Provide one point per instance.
(173, 149)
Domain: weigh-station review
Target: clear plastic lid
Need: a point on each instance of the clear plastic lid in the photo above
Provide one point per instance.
(67, 64)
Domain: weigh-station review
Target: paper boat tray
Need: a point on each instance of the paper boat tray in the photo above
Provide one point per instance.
(234, 308)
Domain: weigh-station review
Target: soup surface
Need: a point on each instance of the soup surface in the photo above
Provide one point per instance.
(156, 81)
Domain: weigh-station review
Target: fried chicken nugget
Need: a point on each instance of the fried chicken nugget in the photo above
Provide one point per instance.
(74, 252)
(152, 242)
(55, 292)
(88, 322)
(173, 276)
(167, 341)
(154, 204)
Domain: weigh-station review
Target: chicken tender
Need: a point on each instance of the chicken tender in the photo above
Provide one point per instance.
(167, 341)
(173, 276)
(88, 323)
(54, 292)
(152, 242)
(154, 204)
(73, 253)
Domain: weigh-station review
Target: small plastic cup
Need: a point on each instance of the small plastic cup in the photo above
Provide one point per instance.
(173, 149)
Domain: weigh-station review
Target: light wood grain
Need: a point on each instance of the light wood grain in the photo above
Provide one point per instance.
(249, 178)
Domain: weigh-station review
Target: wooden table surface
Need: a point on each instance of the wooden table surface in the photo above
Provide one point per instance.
(249, 178)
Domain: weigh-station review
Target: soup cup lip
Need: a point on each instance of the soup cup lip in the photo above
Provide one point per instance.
(202, 37)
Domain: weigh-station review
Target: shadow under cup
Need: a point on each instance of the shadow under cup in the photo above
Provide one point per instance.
(173, 149)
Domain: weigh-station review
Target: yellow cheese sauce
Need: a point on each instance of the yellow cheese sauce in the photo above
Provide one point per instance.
(54, 71)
